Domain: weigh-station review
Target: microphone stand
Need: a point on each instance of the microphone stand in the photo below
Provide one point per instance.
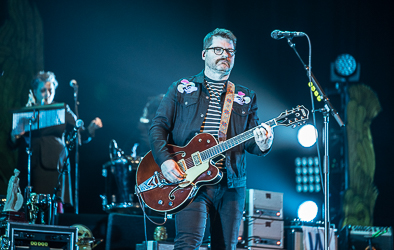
(29, 152)
(327, 110)
(77, 142)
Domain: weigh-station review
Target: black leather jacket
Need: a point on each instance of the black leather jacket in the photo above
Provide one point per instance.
(181, 114)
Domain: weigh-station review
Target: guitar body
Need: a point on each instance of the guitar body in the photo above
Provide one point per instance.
(173, 198)
(195, 160)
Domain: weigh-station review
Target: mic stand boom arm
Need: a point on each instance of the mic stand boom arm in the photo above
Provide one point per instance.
(328, 108)
(326, 100)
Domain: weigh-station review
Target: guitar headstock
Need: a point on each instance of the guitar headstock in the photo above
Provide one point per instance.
(294, 117)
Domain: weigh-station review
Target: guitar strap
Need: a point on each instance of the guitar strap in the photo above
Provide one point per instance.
(227, 108)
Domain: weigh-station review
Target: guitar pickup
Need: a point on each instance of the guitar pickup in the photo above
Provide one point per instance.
(196, 158)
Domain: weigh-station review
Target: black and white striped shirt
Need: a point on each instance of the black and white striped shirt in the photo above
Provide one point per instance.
(212, 118)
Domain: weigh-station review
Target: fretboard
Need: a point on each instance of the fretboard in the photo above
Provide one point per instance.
(232, 142)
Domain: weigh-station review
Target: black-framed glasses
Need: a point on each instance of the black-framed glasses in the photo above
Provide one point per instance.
(219, 50)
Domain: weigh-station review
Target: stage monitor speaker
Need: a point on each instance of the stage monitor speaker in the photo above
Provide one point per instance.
(124, 232)
(358, 237)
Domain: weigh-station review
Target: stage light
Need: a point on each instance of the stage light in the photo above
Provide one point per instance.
(307, 211)
(345, 65)
(297, 161)
(307, 174)
(345, 69)
(306, 136)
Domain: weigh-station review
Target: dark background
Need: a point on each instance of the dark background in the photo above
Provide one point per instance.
(123, 52)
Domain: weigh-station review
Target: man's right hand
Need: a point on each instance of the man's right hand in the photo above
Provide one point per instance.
(171, 171)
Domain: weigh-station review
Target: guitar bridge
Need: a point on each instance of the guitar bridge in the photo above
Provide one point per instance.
(182, 165)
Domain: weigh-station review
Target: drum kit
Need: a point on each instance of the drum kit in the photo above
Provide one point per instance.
(120, 180)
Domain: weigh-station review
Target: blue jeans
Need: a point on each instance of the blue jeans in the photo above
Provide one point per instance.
(225, 208)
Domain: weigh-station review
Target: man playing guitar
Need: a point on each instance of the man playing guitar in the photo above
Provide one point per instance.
(197, 104)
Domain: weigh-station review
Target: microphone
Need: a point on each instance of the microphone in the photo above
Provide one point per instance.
(73, 84)
(78, 124)
(72, 137)
(277, 34)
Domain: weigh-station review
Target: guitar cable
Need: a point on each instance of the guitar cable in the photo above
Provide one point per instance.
(142, 205)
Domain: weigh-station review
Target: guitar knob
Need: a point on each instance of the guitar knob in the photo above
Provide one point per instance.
(170, 203)
(160, 202)
(209, 172)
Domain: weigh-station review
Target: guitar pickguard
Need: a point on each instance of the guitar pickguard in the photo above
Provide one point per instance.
(193, 173)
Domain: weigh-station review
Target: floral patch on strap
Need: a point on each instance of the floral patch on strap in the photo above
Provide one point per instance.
(186, 86)
(241, 99)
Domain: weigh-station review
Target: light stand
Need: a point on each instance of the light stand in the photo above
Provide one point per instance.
(327, 110)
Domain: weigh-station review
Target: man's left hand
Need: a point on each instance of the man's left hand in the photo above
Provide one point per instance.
(264, 137)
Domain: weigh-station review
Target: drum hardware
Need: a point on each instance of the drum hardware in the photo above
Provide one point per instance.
(119, 174)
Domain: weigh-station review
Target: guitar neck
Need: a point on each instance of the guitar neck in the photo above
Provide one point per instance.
(232, 142)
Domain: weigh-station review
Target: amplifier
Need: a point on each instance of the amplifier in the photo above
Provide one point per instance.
(359, 237)
(264, 204)
(261, 233)
(159, 245)
(31, 236)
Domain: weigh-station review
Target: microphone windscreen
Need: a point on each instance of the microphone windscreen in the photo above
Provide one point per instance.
(73, 83)
(79, 123)
(274, 34)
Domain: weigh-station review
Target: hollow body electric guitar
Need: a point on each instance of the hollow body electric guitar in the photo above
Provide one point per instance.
(195, 159)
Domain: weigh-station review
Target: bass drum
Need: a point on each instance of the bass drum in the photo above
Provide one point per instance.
(119, 186)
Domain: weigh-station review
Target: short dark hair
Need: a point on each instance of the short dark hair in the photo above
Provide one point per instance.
(219, 32)
(43, 76)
